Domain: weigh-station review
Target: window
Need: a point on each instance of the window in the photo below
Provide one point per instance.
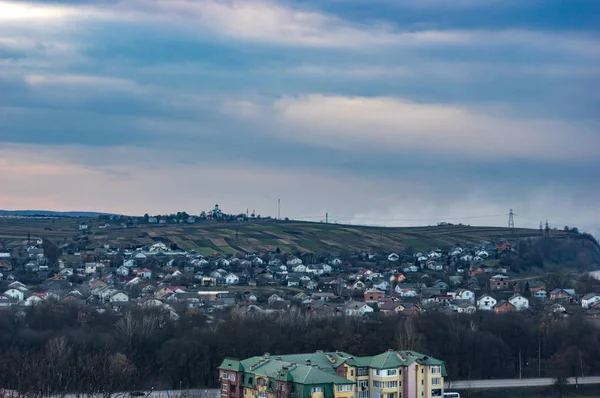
(385, 384)
(436, 370)
(436, 381)
(223, 375)
(376, 372)
(232, 376)
(250, 380)
(363, 371)
(352, 372)
(261, 382)
(363, 394)
(281, 387)
(262, 394)
(422, 370)
(345, 388)
(224, 387)
(392, 372)
(422, 382)
(316, 390)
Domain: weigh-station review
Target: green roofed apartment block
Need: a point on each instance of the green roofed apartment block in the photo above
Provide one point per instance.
(393, 374)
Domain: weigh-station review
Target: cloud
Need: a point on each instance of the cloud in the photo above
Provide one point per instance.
(392, 124)
(77, 178)
(263, 21)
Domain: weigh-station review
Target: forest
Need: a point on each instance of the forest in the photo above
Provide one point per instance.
(56, 349)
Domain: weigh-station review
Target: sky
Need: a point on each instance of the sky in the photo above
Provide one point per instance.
(378, 112)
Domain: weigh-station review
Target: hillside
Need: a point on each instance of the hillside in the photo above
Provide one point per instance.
(259, 236)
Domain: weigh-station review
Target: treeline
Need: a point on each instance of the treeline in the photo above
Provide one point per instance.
(54, 350)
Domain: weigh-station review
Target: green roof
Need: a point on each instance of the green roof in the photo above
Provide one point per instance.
(231, 364)
(286, 368)
(319, 367)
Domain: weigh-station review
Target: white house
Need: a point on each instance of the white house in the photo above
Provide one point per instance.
(16, 293)
(140, 256)
(327, 268)
(589, 300)
(294, 261)
(467, 257)
(134, 281)
(465, 294)
(412, 268)
(83, 226)
(393, 257)
(541, 294)
(33, 300)
(232, 279)
(482, 254)
(129, 263)
(118, 297)
(122, 271)
(405, 291)
(521, 303)
(336, 262)
(90, 268)
(486, 303)
(435, 255)
(299, 268)
(357, 308)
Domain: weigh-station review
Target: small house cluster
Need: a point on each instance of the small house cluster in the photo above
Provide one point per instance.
(459, 280)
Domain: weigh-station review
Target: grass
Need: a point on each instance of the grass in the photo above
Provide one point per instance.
(258, 236)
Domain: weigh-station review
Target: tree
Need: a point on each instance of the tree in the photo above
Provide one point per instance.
(146, 217)
(527, 291)
(51, 251)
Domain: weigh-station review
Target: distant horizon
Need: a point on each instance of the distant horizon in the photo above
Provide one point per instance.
(332, 220)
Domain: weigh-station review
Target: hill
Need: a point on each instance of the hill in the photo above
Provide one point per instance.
(259, 236)
(48, 213)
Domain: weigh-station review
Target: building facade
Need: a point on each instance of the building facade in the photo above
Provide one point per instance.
(393, 374)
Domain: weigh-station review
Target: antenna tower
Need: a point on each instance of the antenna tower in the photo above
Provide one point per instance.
(547, 230)
(279, 209)
(511, 219)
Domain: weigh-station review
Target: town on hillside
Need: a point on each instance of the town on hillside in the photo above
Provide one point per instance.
(456, 279)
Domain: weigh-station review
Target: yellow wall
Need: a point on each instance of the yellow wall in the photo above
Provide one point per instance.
(345, 394)
(317, 395)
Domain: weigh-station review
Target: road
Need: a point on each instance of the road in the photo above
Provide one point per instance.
(498, 383)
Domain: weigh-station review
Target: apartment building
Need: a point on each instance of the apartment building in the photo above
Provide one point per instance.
(393, 374)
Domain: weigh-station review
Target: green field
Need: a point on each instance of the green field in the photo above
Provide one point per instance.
(259, 236)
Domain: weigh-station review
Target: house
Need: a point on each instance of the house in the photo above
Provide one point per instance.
(393, 257)
(104, 225)
(293, 281)
(398, 278)
(391, 307)
(465, 295)
(299, 268)
(273, 299)
(90, 268)
(122, 271)
(357, 308)
(519, 302)
(411, 268)
(7, 301)
(358, 285)
(118, 298)
(464, 307)
(503, 307)
(17, 293)
(373, 295)
(499, 282)
(152, 220)
(504, 246)
(486, 303)
(539, 293)
(145, 273)
(293, 261)
(83, 226)
(589, 300)
(35, 299)
(323, 296)
(316, 269)
(406, 291)
(232, 279)
(561, 294)
(336, 262)
(441, 285)
(333, 374)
